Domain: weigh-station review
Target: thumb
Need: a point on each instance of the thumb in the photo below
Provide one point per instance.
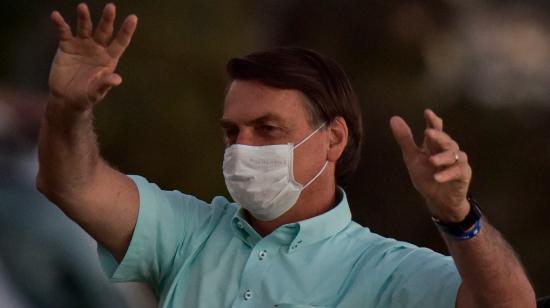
(403, 135)
(102, 85)
(108, 82)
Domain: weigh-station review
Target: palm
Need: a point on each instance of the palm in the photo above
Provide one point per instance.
(83, 67)
(76, 65)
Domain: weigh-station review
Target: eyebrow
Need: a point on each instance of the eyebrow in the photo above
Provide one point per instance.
(225, 123)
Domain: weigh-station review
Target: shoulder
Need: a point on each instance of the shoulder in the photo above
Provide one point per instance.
(175, 212)
(365, 239)
(390, 271)
(386, 253)
(151, 193)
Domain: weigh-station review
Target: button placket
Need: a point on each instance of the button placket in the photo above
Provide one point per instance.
(247, 295)
(253, 273)
(295, 245)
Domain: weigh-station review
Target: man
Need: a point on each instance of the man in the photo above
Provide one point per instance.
(293, 132)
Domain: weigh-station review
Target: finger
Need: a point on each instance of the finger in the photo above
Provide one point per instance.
(104, 30)
(123, 37)
(83, 21)
(440, 141)
(403, 135)
(448, 158)
(63, 29)
(459, 172)
(432, 120)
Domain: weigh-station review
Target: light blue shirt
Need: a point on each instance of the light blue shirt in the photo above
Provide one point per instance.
(195, 254)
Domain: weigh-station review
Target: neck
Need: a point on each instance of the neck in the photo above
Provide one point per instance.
(315, 200)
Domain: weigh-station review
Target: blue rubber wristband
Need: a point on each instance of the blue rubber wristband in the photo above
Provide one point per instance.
(463, 235)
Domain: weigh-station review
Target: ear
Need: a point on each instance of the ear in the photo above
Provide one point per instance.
(338, 138)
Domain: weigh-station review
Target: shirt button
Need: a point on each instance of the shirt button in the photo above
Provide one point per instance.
(262, 254)
(247, 295)
(240, 224)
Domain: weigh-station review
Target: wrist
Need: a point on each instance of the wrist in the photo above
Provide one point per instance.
(454, 215)
(61, 103)
(63, 119)
(57, 105)
(468, 227)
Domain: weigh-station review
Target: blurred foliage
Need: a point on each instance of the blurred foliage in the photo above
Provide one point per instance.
(163, 121)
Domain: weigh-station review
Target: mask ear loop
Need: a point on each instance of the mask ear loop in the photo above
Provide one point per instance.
(307, 138)
(316, 176)
(326, 162)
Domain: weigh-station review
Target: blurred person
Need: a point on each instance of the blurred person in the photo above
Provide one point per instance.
(292, 128)
(9, 297)
(45, 259)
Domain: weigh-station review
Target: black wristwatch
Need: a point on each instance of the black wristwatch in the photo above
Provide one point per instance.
(468, 227)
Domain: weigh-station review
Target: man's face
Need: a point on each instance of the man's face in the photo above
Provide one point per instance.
(255, 114)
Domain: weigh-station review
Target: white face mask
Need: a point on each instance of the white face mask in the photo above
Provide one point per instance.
(261, 178)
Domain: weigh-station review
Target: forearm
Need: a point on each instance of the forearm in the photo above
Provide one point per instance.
(68, 154)
(491, 273)
(71, 173)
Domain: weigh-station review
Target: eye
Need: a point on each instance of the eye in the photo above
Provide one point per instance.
(266, 128)
(230, 134)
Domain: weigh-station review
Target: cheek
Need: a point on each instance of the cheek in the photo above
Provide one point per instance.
(309, 158)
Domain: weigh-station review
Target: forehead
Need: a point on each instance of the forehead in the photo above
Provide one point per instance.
(249, 100)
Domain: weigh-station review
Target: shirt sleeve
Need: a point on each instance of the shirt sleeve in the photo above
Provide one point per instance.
(169, 225)
(422, 278)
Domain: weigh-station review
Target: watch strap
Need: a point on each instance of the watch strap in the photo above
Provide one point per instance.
(468, 227)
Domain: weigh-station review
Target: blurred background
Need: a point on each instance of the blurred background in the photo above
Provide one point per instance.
(484, 66)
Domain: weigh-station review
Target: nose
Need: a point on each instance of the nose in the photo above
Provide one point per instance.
(245, 137)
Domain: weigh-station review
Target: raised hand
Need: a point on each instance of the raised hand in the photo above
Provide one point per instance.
(438, 169)
(82, 71)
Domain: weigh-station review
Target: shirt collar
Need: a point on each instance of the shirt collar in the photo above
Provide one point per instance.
(301, 233)
(243, 229)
